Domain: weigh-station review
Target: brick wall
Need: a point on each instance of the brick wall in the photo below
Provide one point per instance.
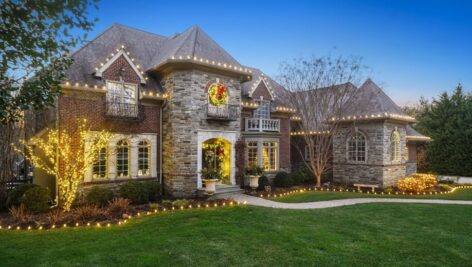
(261, 90)
(121, 67)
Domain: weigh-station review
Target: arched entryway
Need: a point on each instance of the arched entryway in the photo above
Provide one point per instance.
(216, 153)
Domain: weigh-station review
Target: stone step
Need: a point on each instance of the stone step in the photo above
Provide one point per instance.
(228, 189)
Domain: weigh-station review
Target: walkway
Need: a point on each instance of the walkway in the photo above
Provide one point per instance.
(256, 201)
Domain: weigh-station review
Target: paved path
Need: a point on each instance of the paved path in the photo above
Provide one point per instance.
(256, 201)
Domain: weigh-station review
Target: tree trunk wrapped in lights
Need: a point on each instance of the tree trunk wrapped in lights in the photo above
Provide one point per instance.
(68, 154)
(319, 89)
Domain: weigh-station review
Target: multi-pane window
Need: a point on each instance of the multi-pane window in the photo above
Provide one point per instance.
(357, 147)
(144, 150)
(252, 151)
(395, 150)
(307, 153)
(122, 158)
(269, 156)
(100, 164)
(120, 92)
(263, 111)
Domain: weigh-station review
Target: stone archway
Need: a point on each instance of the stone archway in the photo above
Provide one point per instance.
(217, 152)
(227, 139)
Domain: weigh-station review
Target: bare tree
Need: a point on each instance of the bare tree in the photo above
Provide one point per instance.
(321, 89)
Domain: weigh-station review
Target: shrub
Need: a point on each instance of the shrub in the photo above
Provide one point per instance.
(154, 190)
(36, 199)
(263, 182)
(20, 214)
(282, 179)
(99, 196)
(179, 203)
(118, 205)
(445, 187)
(298, 178)
(87, 212)
(135, 192)
(14, 197)
(388, 190)
(416, 182)
(55, 216)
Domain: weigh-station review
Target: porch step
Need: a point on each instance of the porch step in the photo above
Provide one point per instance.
(226, 189)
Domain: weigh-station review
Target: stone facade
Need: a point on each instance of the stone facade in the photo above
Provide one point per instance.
(184, 115)
(379, 168)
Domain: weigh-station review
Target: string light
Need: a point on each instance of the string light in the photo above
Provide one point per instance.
(375, 116)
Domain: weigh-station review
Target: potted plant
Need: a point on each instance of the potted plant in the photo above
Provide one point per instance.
(211, 173)
(211, 176)
(253, 173)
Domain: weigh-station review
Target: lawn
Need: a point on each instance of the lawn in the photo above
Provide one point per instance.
(370, 234)
(312, 196)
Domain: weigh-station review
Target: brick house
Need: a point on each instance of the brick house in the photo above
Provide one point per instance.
(170, 100)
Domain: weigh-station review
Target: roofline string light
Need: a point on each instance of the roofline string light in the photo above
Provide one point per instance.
(222, 65)
(309, 133)
(285, 109)
(375, 116)
(121, 222)
(263, 79)
(245, 104)
(103, 88)
(127, 53)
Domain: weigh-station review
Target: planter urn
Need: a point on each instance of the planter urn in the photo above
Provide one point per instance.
(210, 186)
(253, 181)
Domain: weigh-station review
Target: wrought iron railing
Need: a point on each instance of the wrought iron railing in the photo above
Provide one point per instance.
(222, 112)
(262, 125)
(124, 110)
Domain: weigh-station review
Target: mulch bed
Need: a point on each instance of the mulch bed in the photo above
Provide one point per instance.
(101, 215)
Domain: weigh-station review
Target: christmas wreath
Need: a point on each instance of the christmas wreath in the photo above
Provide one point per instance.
(218, 94)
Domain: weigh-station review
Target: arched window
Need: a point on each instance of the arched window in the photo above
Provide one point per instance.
(144, 152)
(395, 150)
(356, 147)
(122, 158)
(100, 164)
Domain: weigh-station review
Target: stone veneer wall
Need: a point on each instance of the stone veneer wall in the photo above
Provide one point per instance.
(379, 168)
(184, 115)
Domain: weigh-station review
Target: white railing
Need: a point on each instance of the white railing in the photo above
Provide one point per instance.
(262, 125)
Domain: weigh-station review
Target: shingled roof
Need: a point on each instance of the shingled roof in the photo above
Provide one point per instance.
(413, 135)
(257, 75)
(148, 50)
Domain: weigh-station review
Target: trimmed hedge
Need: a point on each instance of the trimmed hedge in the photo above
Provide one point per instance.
(154, 190)
(36, 199)
(14, 197)
(99, 196)
(263, 182)
(135, 191)
(282, 179)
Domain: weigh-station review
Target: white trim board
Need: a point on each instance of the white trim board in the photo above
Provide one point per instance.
(122, 52)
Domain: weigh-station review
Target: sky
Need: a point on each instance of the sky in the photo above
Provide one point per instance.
(411, 48)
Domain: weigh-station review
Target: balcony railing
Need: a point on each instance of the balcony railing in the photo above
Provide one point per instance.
(262, 125)
(124, 111)
(222, 112)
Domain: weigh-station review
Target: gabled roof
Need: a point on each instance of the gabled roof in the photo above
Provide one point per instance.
(148, 50)
(277, 89)
(141, 45)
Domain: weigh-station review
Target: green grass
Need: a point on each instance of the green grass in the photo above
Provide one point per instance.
(360, 235)
(313, 196)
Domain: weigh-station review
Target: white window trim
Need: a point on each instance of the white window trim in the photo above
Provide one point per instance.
(99, 72)
(133, 140)
(394, 156)
(260, 142)
(366, 147)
